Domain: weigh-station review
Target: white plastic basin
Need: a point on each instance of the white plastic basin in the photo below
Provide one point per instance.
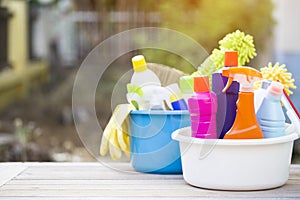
(253, 164)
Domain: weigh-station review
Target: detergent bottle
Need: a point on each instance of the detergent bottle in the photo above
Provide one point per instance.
(226, 101)
(261, 93)
(270, 115)
(178, 103)
(142, 75)
(174, 90)
(203, 108)
(245, 125)
(152, 95)
(186, 84)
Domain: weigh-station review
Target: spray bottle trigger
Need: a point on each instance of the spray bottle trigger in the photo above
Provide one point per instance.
(229, 82)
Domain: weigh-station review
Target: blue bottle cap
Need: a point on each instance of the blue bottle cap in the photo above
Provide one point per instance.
(265, 84)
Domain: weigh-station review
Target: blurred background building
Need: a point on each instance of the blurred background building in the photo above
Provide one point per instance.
(43, 43)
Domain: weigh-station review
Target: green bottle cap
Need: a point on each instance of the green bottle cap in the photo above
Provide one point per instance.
(186, 84)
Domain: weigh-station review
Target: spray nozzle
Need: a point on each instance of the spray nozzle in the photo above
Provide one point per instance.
(229, 82)
(246, 76)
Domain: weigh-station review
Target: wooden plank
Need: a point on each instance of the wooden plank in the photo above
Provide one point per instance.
(94, 173)
(290, 190)
(148, 185)
(131, 198)
(130, 186)
(99, 172)
(7, 172)
(87, 173)
(77, 164)
(295, 172)
(91, 176)
(126, 193)
(94, 181)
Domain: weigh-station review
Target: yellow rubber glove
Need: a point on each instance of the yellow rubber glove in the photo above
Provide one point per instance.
(115, 137)
(123, 137)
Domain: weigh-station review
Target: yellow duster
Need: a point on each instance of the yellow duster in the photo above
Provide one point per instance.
(278, 73)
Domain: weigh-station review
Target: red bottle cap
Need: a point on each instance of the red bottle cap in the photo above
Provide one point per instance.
(231, 59)
(201, 84)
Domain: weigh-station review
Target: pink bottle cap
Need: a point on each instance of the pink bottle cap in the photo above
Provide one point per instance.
(276, 89)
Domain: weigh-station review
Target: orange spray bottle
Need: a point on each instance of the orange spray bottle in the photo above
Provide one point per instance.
(245, 125)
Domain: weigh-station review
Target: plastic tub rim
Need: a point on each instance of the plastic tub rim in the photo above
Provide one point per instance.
(181, 136)
(160, 112)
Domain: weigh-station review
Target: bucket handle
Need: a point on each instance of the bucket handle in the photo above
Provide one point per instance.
(292, 115)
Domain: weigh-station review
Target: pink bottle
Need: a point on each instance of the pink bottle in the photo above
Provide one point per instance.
(203, 108)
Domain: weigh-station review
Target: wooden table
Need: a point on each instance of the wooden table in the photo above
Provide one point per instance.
(94, 181)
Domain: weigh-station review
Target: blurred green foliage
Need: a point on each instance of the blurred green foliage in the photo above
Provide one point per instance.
(208, 21)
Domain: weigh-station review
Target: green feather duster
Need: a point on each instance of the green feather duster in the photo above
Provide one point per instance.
(236, 41)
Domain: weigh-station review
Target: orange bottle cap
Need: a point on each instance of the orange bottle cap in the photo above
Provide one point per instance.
(201, 84)
(231, 59)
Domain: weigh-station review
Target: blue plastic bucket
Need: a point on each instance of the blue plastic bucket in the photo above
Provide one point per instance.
(152, 148)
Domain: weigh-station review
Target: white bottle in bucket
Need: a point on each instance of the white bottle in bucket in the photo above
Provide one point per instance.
(153, 94)
(153, 97)
(143, 76)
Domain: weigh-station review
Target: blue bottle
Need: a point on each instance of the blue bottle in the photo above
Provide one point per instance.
(270, 115)
(226, 101)
(261, 93)
(178, 104)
